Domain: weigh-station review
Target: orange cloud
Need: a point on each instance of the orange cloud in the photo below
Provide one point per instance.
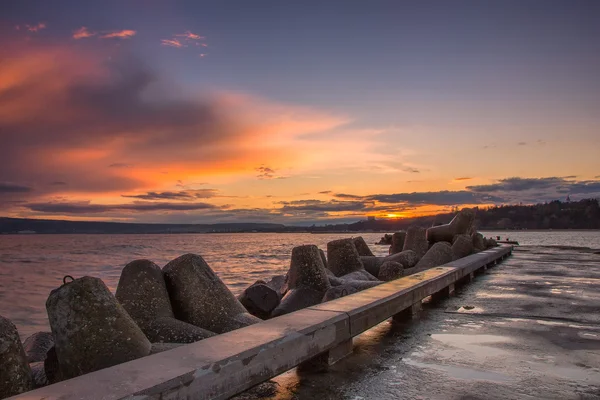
(190, 36)
(124, 34)
(102, 115)
(82, 33)
(172, 43)
(465, 178)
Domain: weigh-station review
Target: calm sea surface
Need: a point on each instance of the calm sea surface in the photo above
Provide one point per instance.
(32, 265)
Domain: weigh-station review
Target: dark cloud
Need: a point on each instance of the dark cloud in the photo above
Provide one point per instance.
(183, 195)
(584, 187)
(265, 172)
(7, 187)
(88, 208)
(323, 206)
(517, 184)
(522, 143)
(411, 170)
(346, 196)
(443, 198)
(325, 192)
(463, 178)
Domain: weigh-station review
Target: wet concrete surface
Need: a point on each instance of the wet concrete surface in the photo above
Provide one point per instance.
(528, 328)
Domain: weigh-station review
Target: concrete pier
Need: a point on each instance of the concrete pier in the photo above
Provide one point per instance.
(227, 364)
(526, 329)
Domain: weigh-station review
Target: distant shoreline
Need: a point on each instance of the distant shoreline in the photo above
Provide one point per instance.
(290, 232)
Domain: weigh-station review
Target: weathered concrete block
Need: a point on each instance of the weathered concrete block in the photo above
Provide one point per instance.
(385, 239)
(37, 345)
(200, 298)
(342, 257)
(460, 224)
(391, 270)
(333, 280)
(308, 280)
(279, 283)
(339, 291)
(307, 269)
(462, 246)
(397, 242)
(372, 264)
(361, 246)
(407, 258)
(463, 221)
(260, 300)
(361, 275)
(91, 329)
(416, 240)
(491, 242)
(15, 373)
(39, 374)
(440, 253)
(171, 330)
(477, 239)
(142, 292)
(297, 299)
(323, 257)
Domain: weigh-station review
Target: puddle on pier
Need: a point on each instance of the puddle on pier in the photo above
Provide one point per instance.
(461, 372)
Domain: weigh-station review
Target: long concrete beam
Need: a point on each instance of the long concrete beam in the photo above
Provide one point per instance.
(224, 365)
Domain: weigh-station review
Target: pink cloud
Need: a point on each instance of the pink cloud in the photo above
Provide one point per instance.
(190, 36)
(172, 43)
(82, 33)
(123, 34)
(32, 28)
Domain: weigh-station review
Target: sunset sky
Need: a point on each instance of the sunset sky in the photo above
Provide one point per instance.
(294, 111)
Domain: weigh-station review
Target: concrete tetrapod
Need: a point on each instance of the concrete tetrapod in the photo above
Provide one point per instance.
(397, 242)
(372, 264)
(200, 298)
(260, 299)
(416, 240)
(91, 329)
(462, 246)
(362, 247)
(407, 258)
(142, 291)
(307, 280)
(361, 275)
(342, 257)
(347, 288)
(15, 374)
(477, 240)
(37, 345)
(391, 270)
(440, 253)
(460, 224)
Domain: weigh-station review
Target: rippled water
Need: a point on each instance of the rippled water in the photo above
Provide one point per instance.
(32, 265)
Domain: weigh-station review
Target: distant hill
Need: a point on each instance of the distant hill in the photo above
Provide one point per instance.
(584, 214)
(23, 225)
